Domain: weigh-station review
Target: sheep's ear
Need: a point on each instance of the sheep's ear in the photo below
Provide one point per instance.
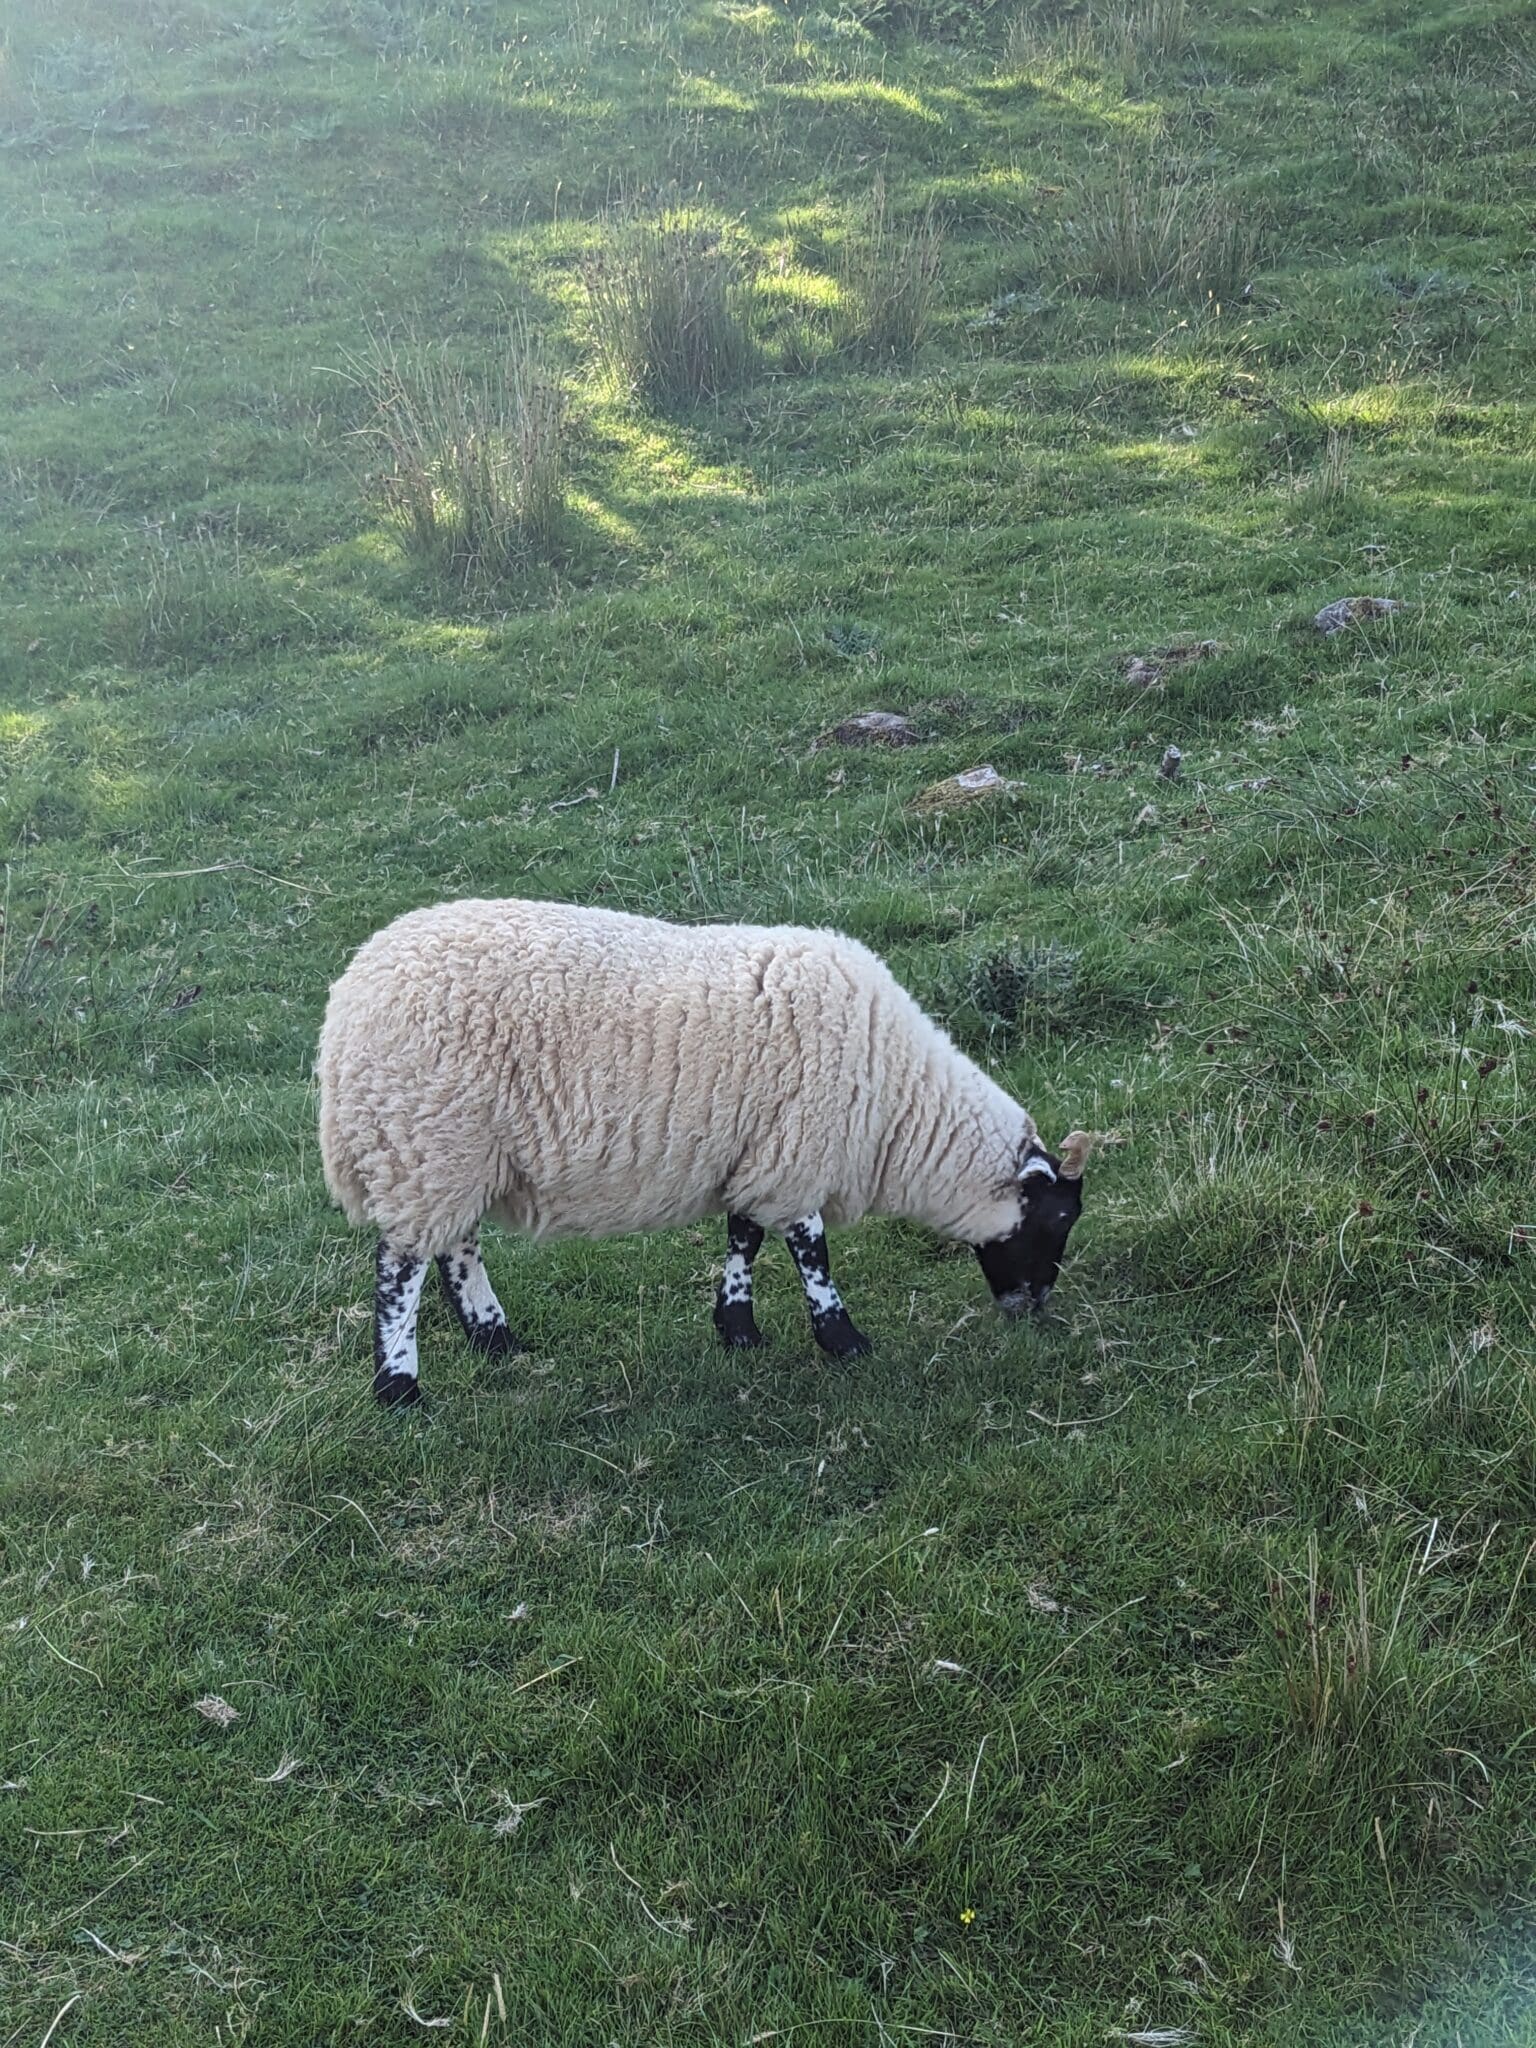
(1037, 1166)
(1075, 1148)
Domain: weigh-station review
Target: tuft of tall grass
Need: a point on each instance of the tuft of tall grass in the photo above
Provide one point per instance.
(1328, 485)
(473, 468)
(1032, 43)
(932, 20)
(671, 310)
(888, 276)
(1331, 1649)
(1140, 37)
(1136, 38)
(1367, 1665)
(1152, 229)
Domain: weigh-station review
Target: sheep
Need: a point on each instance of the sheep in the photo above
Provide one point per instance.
(581, 1072)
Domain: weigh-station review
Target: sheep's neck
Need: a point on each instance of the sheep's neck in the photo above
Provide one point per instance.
(954, 1143)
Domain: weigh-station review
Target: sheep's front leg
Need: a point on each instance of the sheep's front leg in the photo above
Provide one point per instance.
(733, 1304)
(831, 1325)
(473, 1299)
(396, 1295)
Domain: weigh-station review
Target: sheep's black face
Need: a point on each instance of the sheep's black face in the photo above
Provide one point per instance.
(1021, 1268)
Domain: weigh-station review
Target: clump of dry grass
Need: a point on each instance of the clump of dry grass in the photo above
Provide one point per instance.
(888, 276)
(473, 470)
(1153, 229)
(671, 310)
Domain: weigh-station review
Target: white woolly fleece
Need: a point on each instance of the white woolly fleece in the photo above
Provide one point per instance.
(586, 1073)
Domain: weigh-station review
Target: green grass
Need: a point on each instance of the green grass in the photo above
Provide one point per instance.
(472, 474)
(1168, 1668)
(669, 310)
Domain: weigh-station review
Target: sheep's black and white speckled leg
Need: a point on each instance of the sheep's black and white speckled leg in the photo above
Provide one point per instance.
(831, 1324)
(468, 1288)
(733, 1304)
(396, 1294)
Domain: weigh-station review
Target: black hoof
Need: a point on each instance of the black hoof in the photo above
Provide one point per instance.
(494, 1340)
(736, 1329)
(742, 1340)
(396, 1389)
(839, 1338)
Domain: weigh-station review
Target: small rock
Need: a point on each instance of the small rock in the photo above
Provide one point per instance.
(1349, 611)
(1147, 815)
(870, 729)
(974, 785)
(1172, 761)
(1146, 669)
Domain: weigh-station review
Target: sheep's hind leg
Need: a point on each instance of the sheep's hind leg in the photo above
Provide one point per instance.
(396, 1295)
(733, 1304)
(473, 1299)
(831, 1325)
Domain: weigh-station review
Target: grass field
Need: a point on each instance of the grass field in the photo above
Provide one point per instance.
(478, 449)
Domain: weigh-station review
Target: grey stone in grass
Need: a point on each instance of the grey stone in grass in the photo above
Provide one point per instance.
(1147, 669)
(1349, 611)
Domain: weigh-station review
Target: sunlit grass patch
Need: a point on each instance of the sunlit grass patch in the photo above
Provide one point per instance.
(800, 308)
(18, 730)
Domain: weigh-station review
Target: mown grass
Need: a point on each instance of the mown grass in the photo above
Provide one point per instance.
(1162, 1673)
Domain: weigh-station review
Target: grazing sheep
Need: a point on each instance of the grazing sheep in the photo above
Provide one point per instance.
(583, 1073)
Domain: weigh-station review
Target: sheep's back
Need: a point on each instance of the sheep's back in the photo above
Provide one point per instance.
(587, 1072)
